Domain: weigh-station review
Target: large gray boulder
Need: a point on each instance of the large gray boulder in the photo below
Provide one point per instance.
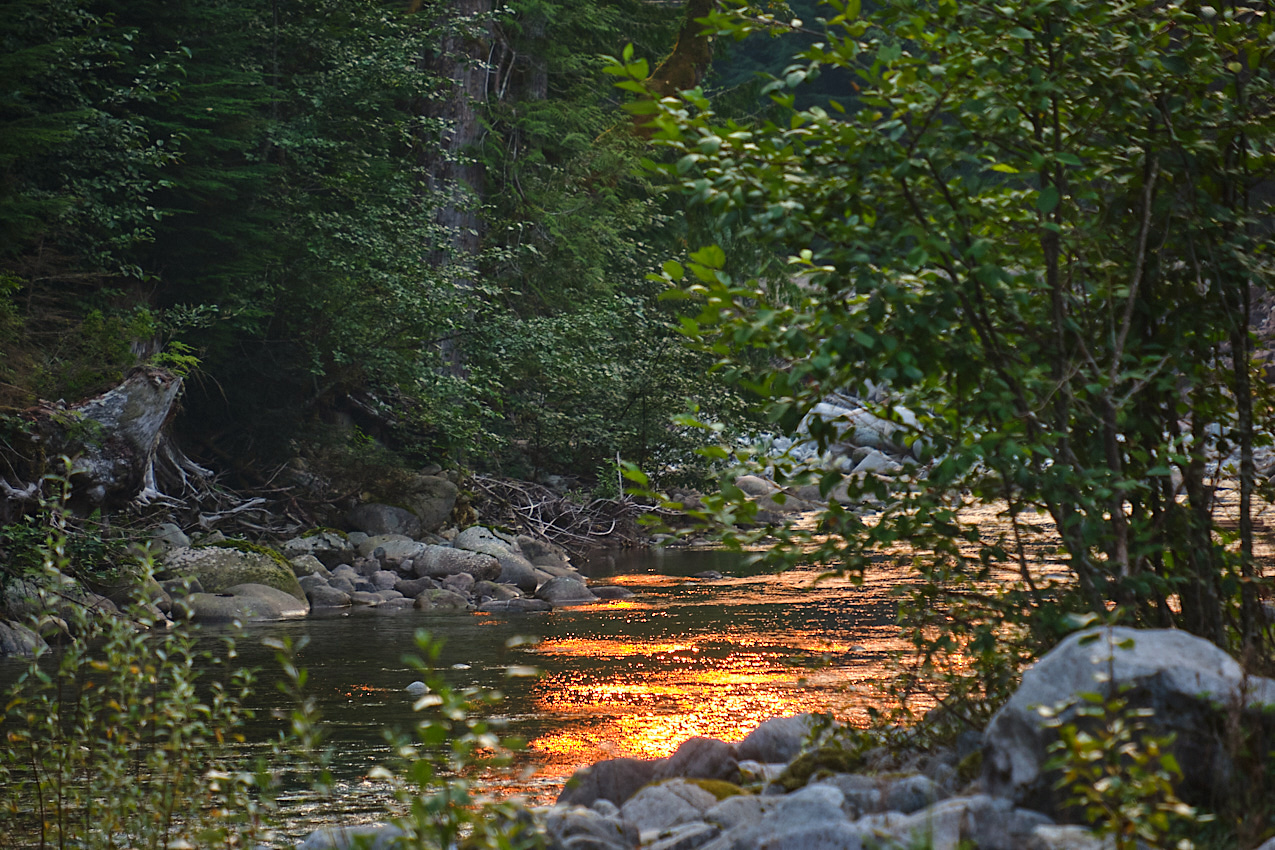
(17, 640)
(441, 600)
(476, 538)
(217, 569)
(809, 819)
(373, 518)
(534, 548)
(565, 590)
(518, 571)
(442, 561)
(702, 758)
(62, 597)
(432, 499)
(305, 565)
(658, 807)
(586, 829)
(323, 596)
(778, 739)
(395, 547)
(861, 427)
(247, 603)
(167, 536)
(741, 810)
(1192, 687)
(517, 605)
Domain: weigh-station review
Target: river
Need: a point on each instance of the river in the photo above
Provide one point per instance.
(684, 657)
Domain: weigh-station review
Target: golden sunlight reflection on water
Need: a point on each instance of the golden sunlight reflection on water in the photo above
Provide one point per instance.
(714, 659)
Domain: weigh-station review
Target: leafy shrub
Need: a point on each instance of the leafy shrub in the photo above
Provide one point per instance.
(111, 744)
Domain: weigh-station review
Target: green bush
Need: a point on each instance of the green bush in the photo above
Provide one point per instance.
(112, 744)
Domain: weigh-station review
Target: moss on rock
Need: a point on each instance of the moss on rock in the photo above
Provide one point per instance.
(248, 546)
(227, 563)
(824, 761)
(719, 788)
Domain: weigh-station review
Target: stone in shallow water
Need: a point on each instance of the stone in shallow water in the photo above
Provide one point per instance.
(17, 640)
(441, 600)
(515, 606)
(246, 603)
(564, 590)
(612, 591)
(322, 596)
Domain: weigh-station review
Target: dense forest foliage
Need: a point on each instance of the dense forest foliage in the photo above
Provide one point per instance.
(421, 225)
(1046, 229)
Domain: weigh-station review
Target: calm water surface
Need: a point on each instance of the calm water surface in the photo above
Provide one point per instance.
(684, 657)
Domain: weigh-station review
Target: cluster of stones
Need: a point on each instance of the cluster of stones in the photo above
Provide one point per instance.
(782, 788)
(331, 572)
(718, 796)
(862, 443)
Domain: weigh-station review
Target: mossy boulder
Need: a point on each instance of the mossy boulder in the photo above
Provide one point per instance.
(824, 761)
(219, 568)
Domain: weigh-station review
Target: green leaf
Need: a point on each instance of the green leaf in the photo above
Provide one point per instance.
(711, 256)
(1047, 200)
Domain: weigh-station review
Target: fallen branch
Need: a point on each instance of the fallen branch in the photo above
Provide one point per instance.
(541, 512)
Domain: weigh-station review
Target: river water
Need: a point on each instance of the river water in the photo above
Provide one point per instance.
(684, 657)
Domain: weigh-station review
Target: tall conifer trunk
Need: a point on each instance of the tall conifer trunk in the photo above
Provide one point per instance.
(456, 177)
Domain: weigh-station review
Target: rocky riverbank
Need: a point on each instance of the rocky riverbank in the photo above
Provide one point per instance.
(799, 783)
(326, 572)
(422, 553)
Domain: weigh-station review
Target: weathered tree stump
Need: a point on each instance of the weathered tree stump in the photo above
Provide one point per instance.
(116, 442)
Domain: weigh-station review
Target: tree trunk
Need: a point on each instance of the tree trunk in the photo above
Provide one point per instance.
(455, 173)
(686, 66)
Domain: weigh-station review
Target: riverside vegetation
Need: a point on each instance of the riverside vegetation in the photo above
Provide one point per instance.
(1035, 237)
